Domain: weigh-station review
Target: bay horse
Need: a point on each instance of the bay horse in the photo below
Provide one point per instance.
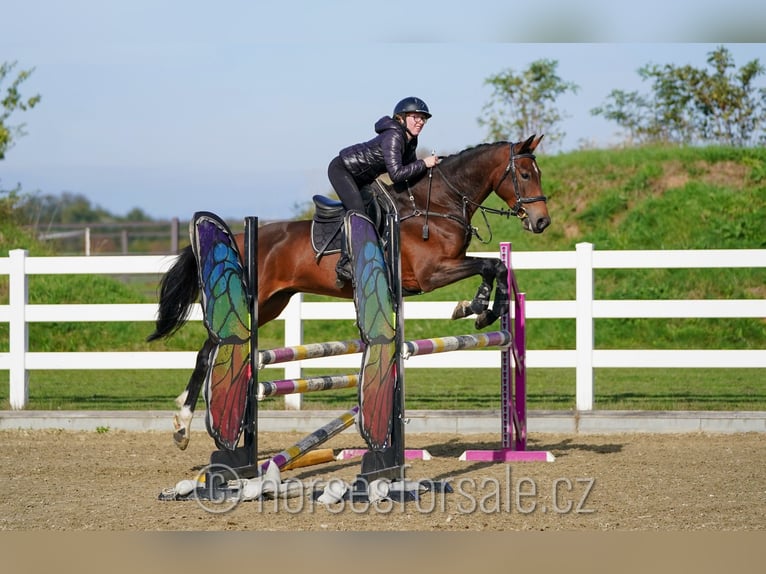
(435, 229)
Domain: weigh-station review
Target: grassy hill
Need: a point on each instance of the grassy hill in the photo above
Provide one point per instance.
(639, 198)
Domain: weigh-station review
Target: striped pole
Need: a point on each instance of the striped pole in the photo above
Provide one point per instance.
(310, 351)
(457, 343)
(310, 385)
(416, 347)
(313, 440)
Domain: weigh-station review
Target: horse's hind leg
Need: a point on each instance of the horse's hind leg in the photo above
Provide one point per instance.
(187, 400)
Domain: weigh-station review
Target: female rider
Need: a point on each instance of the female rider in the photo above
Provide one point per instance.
(391, 151)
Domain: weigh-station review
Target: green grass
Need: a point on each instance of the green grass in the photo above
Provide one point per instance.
(554, 389)
(458, 389)
(639, 198)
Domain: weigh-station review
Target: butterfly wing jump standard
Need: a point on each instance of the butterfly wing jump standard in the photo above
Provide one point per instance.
(227, 319)
(377, 322)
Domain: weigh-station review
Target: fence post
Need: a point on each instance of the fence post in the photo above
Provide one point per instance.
(293, 337)
(18, 329)
(584, 327)
(174, 235)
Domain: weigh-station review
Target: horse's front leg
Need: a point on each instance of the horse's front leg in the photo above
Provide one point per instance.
(477, 305)
(187, 400)
(492, 271)
(500, 305)
(452, 270)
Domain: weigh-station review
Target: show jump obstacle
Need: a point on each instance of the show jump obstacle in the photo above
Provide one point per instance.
(232, 391)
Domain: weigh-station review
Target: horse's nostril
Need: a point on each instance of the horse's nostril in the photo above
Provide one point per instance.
(542, 223)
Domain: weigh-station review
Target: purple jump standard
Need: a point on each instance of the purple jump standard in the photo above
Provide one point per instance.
(513, 385)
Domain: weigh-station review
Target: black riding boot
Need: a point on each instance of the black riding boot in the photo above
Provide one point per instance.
(343, 269)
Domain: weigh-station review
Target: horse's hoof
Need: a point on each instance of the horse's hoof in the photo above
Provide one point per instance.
(463, 309)
(181, 425)
(485, 319)
(180, 436)
(181, 439)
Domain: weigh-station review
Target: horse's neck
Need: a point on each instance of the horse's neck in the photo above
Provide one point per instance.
(448, 186)
(467, 184)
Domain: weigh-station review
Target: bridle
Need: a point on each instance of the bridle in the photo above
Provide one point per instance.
(517, 210)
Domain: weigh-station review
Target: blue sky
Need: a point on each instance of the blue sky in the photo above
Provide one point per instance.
(180, 106)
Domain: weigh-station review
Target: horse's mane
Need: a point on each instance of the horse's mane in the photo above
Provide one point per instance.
(468, 153)
(453, 164)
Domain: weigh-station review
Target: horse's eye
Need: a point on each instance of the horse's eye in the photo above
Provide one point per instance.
(524, 176)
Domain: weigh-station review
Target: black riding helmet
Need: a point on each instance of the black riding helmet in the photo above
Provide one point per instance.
(411, 105)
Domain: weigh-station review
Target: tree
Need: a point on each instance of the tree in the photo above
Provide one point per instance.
(67, 207)
(525, 104)
(730, 108)
(12, 102)
(137, 215)
(690, 105)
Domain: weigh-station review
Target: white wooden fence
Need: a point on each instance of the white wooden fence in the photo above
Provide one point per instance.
(584, 309)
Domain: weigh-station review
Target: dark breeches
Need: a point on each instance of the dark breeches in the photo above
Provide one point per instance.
(344, 185)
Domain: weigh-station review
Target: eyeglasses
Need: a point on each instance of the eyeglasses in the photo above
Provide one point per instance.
(418, 118)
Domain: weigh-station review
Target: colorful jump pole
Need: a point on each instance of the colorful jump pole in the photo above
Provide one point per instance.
(457, 343)
(415, 347)
(309, 351)
(333, 382)
(310, 385)
(314, 439)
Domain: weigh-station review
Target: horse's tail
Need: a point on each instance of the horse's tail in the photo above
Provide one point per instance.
(179, 289)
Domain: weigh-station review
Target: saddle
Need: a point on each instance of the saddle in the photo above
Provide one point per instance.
(327, 234)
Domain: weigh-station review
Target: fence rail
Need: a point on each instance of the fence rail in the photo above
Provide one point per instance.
(115, 237)
(584, 309)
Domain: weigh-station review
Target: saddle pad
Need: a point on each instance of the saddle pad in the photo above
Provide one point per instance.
(326, 227)
(322, 232)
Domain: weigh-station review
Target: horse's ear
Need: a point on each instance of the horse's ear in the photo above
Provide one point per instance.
(524, 147)
(530, 143)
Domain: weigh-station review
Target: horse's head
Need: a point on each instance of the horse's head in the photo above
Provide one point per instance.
(519, 186)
